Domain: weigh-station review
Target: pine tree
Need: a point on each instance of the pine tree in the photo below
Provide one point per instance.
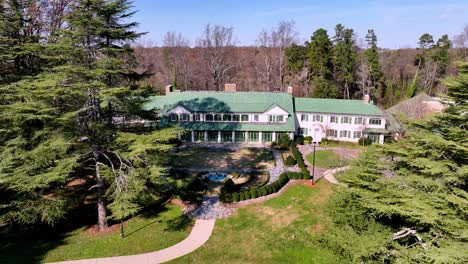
(57, 126)
(319, 55)
(344, 58)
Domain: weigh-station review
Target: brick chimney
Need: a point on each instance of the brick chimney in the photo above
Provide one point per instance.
(290, 89)
(168, 89)
(230, 87)
(366, 99)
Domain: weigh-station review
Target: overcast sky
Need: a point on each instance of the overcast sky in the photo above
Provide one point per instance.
(398, 24)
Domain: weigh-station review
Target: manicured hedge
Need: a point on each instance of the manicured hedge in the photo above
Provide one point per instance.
(290, 161)
(300, 162)
(263, 190)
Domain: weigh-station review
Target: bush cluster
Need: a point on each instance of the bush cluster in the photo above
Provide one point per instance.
(284, 141)
(290, 161)
(263, 190)
(299, 140)
(308, 140)
(364, 141)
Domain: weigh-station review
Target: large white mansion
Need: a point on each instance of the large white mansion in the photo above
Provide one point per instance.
(233, 116)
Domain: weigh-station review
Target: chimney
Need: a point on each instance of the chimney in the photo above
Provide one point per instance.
(366, 99)
(290, 89)
(168, 89)
(230, 87)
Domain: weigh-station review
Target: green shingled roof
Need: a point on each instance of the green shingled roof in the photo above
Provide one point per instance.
(336, 106)
(221, 102)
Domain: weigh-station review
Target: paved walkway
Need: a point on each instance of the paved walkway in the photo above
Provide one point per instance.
(329, 175)
(201, 232)
(211, 208)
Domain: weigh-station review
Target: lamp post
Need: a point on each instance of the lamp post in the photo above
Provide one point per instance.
(313, 163)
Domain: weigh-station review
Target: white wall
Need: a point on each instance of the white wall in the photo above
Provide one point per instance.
(317, 130)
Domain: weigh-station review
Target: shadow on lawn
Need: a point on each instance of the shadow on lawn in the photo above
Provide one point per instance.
(178, 223)
(30, 245)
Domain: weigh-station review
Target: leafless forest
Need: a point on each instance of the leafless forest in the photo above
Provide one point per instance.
(214, 59)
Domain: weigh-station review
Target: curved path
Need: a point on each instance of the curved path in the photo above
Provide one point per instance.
(201, 232)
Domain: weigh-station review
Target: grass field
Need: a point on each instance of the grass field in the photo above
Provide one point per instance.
(327, 159)
(282, 230)
(246, 158)
(145, 233)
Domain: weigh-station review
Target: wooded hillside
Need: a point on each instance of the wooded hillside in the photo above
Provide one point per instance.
(347, 70)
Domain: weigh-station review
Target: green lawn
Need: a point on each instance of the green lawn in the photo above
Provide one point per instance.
(282, 230)
(144, 233)
(327, 159)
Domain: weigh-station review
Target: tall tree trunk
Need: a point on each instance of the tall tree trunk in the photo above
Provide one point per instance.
(102, 211)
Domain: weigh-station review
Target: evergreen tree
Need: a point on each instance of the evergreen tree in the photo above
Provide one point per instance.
(371, 58)
(409, 197)
(344, 58)
(319, 55)
(441, 55)
(58, 126)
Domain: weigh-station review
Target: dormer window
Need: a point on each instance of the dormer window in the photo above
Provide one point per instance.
(375, 121)
(209, 117)
(217, 117)
(184, 117)
(174, 117)
(245, 118)
(276, 118)
(255, 118)
(236, 118)
(196, 117)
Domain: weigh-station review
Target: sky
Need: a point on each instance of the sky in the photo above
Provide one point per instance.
(398, 24)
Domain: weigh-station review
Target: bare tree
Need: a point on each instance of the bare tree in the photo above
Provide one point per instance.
(265, 67)
(283, 37)
(217, 45)
(460, 41)
(175, 52)
(56, 11)
(272, 45)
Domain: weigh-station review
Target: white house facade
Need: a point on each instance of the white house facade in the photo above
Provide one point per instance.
(238, 117)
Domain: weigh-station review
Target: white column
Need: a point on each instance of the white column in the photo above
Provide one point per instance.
(219, 136)
(291, 135)
(178, 136)
(233, 136)
(381, 139)
(273, 136)
(192, 134)
(246, 136)
(206, 136)
(260, 136)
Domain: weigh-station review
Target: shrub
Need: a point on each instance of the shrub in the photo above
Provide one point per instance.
(235, 197)
(253, 194)
(262, 191)
(274, 144)
(290, 161)
(241, 196)
(247, 195)
(298, 157)
(269, 189)
(308, 140)
(364, 141)
(229, 186)
(299, 140)
(283, 141)
(306, 176)
(324, 141)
